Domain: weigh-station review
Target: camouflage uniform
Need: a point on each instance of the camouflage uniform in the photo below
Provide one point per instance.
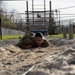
(45, 43)
(29, 40)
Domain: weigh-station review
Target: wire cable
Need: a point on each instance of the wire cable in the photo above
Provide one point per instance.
(64, 8)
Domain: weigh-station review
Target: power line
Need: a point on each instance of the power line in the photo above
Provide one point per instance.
(67, 16)
(62, 14)
(68, 19)
(16, 0)
(65, 8)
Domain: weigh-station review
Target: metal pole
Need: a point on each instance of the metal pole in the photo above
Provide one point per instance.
(50, 14)
(33, 12)
(50, 24)
(56, 17)
(0, 9)
(27, 29)
(59, 18)
(27, 13)
(44, 14)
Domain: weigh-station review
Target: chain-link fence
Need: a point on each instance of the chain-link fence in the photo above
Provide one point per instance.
(7, 31)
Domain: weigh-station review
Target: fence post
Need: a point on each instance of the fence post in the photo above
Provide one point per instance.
(0, 28)
(64, 32)
(70, 31)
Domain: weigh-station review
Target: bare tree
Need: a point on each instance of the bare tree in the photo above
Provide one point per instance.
(1, 10)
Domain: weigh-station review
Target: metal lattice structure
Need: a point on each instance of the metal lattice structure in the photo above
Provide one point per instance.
(41, 20)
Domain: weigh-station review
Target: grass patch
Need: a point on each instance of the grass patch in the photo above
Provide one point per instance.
(5, 37)
(56, 36)
(73, 35)
(60, 36)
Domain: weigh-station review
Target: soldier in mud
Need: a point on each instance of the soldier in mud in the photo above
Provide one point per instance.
(32, 41)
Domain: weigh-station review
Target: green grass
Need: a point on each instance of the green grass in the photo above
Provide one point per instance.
(56, 36)
(73, 35)
(5, 37)
(60, 36)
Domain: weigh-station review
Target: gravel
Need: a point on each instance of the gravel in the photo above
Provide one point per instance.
(62, 42)
(58, 59)
(10, 41)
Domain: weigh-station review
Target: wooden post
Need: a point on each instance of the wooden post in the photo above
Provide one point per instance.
(0, 28)
(70, 31)
(64, 32)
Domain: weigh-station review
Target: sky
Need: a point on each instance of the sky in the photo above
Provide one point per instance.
(20, 6)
